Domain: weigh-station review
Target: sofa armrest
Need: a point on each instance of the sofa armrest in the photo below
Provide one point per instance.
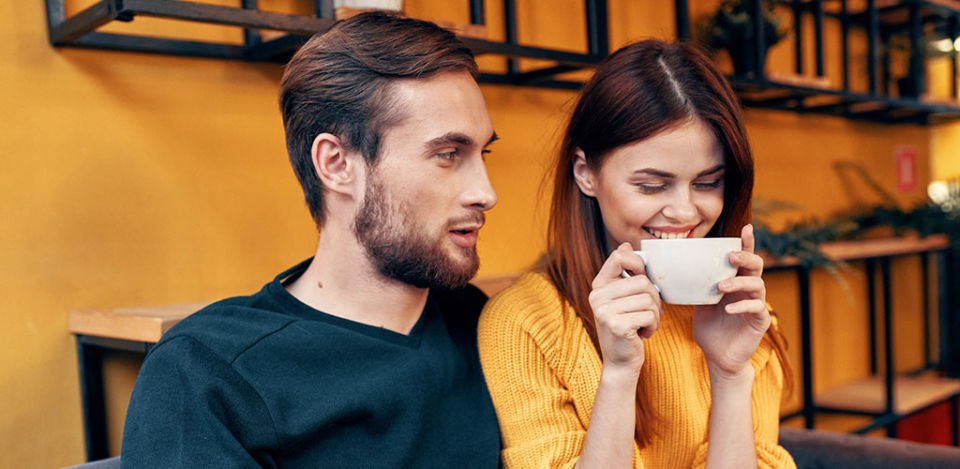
(819, 449)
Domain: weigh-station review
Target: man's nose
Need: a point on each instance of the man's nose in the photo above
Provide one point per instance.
(478, 191)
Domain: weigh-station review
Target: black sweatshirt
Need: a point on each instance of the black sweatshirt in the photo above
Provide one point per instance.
(267, 381)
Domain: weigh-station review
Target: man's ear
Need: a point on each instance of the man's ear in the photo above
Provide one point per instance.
(582, 173)
(334, 165)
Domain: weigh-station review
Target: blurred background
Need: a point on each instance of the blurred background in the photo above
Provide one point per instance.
(141, 179)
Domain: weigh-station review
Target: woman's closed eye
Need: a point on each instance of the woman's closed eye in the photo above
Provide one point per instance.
(708, 185)
(651, 188)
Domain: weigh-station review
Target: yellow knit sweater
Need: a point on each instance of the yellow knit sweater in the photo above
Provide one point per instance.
(543, 373)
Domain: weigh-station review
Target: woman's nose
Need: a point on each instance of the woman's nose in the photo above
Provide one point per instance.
(680, 207)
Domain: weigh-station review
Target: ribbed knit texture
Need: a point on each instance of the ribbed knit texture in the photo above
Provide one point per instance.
(543, 373)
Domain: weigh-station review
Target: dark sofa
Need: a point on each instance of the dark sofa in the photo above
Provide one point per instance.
(822, 450)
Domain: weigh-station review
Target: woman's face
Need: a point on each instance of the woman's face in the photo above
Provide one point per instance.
(667, 186)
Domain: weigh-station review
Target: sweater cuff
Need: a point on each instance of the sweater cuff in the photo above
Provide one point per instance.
(768, 457)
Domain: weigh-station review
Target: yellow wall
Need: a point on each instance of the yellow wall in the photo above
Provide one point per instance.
(132, 179)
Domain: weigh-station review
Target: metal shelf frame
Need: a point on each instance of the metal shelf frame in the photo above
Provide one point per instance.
(755, 88)
(80, 30)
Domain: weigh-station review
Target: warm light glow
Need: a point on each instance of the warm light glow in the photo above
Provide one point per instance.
(943, 45)
(938, 192)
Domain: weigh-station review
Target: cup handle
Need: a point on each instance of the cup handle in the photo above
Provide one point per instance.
(643, 257)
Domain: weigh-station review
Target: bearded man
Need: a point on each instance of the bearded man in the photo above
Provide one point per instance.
(364, 355)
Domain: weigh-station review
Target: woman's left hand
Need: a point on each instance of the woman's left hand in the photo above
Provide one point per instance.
(730, 331)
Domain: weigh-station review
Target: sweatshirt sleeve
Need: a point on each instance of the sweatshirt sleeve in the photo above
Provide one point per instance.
(190, 408)
(538, 422)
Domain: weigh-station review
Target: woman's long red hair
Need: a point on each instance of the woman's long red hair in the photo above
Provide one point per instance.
(637, 92)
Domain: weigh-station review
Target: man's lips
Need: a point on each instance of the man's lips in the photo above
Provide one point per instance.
(463, 232)
(464, 237)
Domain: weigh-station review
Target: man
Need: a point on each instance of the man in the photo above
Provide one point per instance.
(364, 355)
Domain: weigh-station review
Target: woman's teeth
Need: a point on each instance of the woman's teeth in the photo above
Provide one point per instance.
(665, 235)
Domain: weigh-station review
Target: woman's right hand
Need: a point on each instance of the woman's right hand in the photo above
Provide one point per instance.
(626, 310)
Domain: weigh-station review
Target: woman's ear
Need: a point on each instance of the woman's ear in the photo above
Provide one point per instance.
(334, 165)
(582, 173)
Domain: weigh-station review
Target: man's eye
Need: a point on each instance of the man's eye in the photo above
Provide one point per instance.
(447, 155)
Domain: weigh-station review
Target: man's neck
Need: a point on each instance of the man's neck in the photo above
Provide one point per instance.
(342, 281)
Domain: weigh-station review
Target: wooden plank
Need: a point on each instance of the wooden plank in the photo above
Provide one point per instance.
(136, 324)
(147, 324)
(863, 249)
(911, 394)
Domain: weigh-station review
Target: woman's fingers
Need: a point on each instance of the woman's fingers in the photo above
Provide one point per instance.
(752, 286)
(629, 325)
(620, 260)
(746, 236)
(750, 306)
(747, 262)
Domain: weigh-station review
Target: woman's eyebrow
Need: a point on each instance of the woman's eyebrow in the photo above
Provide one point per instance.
(666, 174)
(710, 171)
(655, 172)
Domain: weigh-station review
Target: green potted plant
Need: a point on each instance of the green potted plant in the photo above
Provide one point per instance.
(730, 28)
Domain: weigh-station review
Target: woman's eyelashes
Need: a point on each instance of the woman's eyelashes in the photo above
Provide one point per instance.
(654, 188)
(708, 185)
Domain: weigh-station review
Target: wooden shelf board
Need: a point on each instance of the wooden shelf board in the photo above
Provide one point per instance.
(911, 394)
(863, 249)
(145, 324)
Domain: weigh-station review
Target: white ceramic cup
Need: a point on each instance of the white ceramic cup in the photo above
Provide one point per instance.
(686, 271)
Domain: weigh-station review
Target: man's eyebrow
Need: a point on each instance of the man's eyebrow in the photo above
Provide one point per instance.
(457, 138)
(451, 138)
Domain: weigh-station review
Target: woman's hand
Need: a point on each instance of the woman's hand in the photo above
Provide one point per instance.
(625, 310)
(730, 331)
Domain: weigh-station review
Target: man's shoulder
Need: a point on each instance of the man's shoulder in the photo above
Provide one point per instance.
(230, 326)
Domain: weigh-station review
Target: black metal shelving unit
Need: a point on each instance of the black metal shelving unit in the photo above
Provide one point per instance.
(883, 21)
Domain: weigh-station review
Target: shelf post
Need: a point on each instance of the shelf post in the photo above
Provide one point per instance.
(916, 74)
(873, 30)
(845, 40)
(798, 36)
(477, 12)
(925, 288)
(324, 9)
(598, 40)
(682, 10)
(888, 378)
(806, 348)
(510, 29)
(818, 34)
(759, 48)
(948, 266)
(954, 31)
(251, 37)
(870, 270)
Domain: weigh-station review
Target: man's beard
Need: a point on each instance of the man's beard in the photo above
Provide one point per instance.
(399, 250)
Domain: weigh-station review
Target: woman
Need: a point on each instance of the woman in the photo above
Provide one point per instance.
(588, 368)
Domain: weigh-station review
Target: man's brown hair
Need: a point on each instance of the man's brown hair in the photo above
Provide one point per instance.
(339, 83)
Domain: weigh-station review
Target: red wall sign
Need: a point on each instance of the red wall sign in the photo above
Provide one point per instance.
(906, 168)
